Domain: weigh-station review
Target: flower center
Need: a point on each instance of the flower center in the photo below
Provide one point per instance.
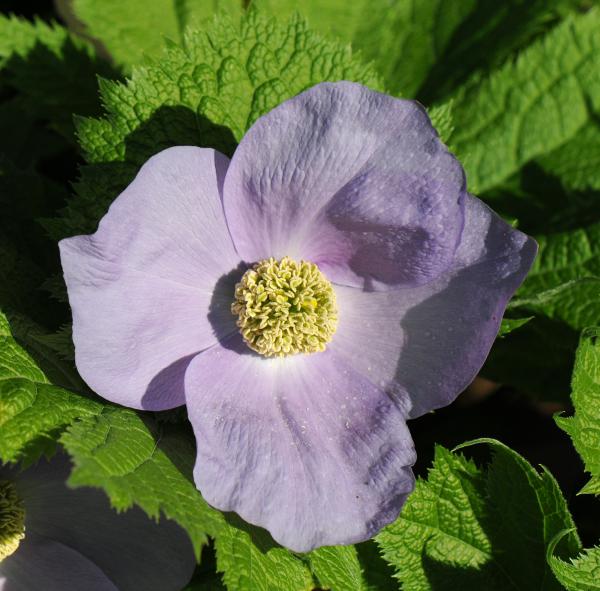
(285, 307)
(12, 519)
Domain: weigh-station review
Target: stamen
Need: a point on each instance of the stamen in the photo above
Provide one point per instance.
(12, 519)
(285, 307)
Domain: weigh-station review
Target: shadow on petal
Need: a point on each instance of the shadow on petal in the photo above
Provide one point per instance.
(449, 334)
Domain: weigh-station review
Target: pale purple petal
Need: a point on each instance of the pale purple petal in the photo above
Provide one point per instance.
(303, 446)
(133, 551)
(429, 342)
(41, 564)
(351, 179)
(142, 288)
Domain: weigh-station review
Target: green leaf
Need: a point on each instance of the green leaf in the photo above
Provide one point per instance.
(251, 561)
(44, 349)
(468, 528)
(337, 568)
(133, 29)
(403, 39)
(425, 48)
(564, 281)
(510, 324)
(564, 257)
(530, 106)
(584, 426)
(489, 34)
(575, 302)
(581, 573)
(54, 72)
(33, 412)
(378, 573)
(577, 163)
(206, 93)
(442, 120)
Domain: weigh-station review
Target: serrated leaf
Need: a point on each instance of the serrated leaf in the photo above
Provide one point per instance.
(251, 561)
(442, 119)
(33, 412)
(584, 426)
(579, 574)
(133, 29)
(206, 93)
(338, 568)
(509, 324)
(44, 349)
(530, 106)
(468, 528)
(379, 575)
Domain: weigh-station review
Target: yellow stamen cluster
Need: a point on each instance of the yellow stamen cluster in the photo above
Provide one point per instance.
(285, 307)
(12, 519)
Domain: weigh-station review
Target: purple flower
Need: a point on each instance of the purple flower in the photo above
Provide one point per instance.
(55, 538)
(386, 308)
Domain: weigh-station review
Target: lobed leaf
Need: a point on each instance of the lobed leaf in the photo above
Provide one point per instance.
(584, 426)
(206, 93)
(579, 574)
(478, 529)
(33, 412)
(338, 568)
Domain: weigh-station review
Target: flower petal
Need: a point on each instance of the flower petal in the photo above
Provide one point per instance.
(142, 288)
(429, 342)
(302, 446)
(351, 179)
(40, 563)
(132, 550)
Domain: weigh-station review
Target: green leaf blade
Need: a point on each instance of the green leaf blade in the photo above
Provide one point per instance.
(33, 412)
(479, 529)
(584, 426)
(529, 107)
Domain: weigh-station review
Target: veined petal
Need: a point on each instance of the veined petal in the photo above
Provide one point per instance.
(302, 446)
(351, 179)
(130, 549)
(144, 289)
(428, 343)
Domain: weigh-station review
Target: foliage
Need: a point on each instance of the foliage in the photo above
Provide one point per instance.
(511, 87)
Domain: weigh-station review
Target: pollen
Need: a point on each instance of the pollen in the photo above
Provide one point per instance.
(285, 307)
(12, 519)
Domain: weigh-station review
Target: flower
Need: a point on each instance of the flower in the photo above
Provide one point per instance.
(56, 538)
(366, 286)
